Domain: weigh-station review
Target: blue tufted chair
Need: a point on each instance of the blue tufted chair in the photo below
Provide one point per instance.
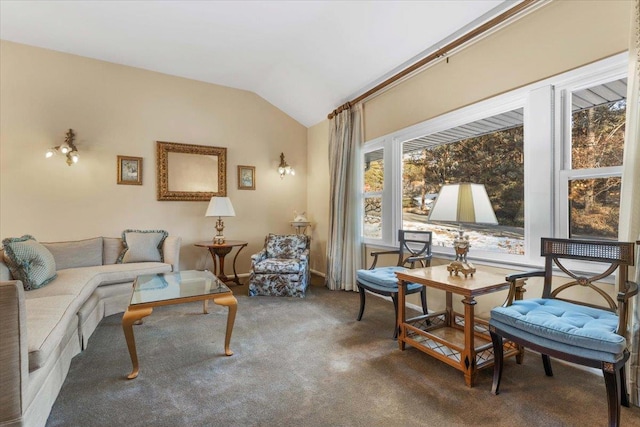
(415, 247)
(281, 268)
(586, 334)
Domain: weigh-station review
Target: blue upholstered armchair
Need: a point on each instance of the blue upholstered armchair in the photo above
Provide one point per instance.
(281, 268)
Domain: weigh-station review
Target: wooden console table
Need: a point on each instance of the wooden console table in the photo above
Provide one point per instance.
(460, 340)
(218, 251)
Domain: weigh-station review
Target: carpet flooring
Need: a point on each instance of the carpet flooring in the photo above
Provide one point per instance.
(305, 362)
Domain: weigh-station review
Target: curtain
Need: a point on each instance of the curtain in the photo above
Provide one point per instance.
(630, 193)
(344, 253)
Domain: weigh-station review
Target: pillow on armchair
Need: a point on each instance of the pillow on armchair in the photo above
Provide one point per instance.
(286, 246)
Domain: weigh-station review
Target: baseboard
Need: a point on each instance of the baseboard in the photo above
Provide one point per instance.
(318, 273)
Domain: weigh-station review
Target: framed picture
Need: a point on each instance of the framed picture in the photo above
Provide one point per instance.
(246, 177)
(129, 170)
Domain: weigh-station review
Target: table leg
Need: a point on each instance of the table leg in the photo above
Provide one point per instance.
(219, 254)
(469, 353)
(402, 290)
(235, 273)
(449, 320)
(128, 319)
(231, 302)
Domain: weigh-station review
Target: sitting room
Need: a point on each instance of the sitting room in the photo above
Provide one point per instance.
(327, 213)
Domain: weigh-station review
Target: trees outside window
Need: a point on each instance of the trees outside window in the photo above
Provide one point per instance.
(495, 159)
(597, 142)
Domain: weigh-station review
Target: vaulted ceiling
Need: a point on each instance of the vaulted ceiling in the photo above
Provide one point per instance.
(304, 57)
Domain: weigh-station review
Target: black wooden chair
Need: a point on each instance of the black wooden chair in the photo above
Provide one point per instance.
(575, 331)
(415, 248)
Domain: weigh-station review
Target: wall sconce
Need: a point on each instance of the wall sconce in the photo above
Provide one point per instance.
(284, 168)
(68, 149)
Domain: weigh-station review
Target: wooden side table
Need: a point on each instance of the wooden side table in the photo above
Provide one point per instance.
(460, 340)
(218, 251)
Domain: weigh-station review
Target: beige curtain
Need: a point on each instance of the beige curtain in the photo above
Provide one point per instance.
(630, 194)
(344, 255)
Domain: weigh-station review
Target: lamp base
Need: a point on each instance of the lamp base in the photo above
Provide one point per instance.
(457, 267)
(218, 240)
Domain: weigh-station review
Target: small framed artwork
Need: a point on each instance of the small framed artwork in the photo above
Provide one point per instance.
(246, 177)
(129, 170)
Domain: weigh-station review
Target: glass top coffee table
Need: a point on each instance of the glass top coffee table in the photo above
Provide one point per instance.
(155, 290)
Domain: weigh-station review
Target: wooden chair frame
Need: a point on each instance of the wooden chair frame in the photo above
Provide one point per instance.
(619, 256)
(412, 251)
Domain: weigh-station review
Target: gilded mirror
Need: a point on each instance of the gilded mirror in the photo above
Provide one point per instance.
(191, 172)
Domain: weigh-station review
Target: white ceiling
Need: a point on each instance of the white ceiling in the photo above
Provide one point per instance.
(304, 57)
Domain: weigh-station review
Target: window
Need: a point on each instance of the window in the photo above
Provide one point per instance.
(373, 186)
(549, 154)
(487, 151)
(590, 178)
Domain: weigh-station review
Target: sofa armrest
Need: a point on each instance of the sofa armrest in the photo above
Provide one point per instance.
(171, 251)
(14, 354)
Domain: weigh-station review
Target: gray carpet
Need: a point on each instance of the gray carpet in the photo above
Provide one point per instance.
(305, 362)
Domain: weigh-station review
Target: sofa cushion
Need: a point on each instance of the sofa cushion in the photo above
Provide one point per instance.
(47, 321)
(286, 246)
(278, 265)
(382, 276)
(111, 249)
(564, 322)
(82, 281)
(79, 253)
(29, 261)
(142, 245)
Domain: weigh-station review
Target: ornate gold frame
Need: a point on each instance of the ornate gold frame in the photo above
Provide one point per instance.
(163, 150)
(121, 179)
(242, 169)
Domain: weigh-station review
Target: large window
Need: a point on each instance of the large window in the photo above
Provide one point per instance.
(488, 151)
(549, 155)
(594, 164)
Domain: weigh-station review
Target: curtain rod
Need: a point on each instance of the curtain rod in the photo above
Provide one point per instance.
(440, 52)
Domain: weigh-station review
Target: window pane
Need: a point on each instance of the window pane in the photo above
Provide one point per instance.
(493, 158)
(597, 125)
(595, 208)
(373, 171)
(373, 185)
(373, 217)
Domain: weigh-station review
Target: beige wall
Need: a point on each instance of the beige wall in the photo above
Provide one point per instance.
(558, 37)
(118, 110)
(318, 194)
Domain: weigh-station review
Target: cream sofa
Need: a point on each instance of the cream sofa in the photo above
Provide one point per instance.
(43, 329)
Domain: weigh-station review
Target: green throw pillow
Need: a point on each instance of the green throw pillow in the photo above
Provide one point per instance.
(142, 246)
(29, 262)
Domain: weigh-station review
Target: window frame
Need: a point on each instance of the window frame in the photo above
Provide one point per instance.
(544, 137)
(563, 137)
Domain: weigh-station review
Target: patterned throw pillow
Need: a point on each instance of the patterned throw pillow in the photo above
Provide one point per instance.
(29, 261)
(142, 246)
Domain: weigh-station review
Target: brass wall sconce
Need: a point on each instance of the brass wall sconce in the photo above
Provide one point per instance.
(284, 168)
(68, 149)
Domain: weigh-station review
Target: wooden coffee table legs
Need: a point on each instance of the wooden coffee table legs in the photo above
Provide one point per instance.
(128, 319)
(132, 315)
(231, 302)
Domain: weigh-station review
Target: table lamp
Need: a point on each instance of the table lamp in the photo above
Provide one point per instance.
(220, 206)
(463, 203)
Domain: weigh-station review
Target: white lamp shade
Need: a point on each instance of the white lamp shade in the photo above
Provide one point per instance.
(463, 203)
(220, 206)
